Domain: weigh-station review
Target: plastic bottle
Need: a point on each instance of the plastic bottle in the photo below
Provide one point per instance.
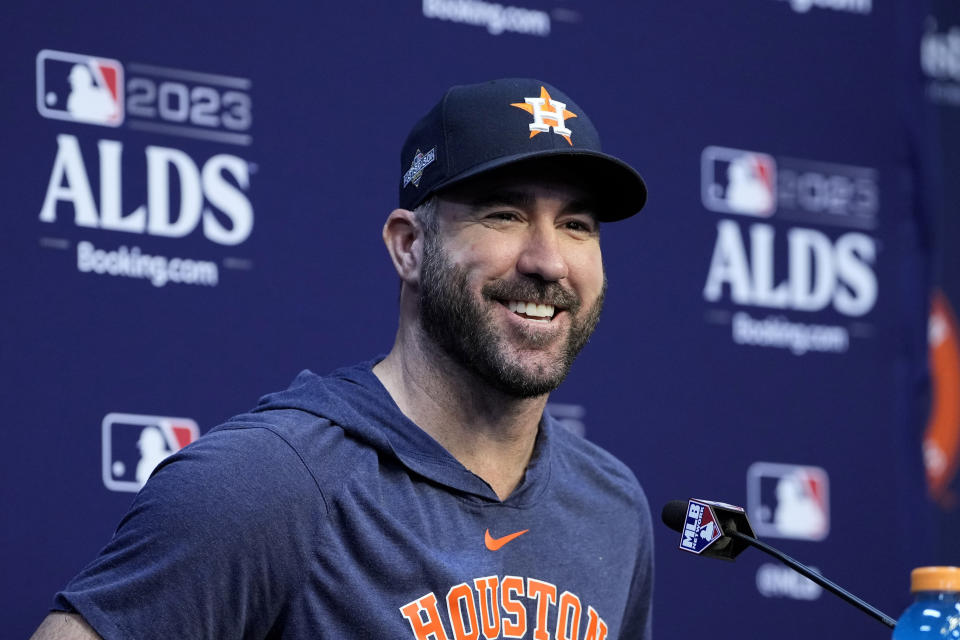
(935, 612)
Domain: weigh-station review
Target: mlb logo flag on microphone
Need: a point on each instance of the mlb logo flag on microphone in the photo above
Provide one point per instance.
(701, 528)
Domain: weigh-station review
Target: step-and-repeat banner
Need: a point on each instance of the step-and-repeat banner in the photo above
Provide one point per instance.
(192, 202)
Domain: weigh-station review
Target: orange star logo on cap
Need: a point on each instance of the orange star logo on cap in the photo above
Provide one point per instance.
(545, 118)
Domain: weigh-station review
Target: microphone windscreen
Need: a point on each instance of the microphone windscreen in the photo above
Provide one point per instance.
(674, 514)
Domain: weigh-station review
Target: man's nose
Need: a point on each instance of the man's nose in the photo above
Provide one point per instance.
(541, 255)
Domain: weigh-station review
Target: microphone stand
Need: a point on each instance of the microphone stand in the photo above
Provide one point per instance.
(816, 577)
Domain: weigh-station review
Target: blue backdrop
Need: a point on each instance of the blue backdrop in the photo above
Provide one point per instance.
(193, 194)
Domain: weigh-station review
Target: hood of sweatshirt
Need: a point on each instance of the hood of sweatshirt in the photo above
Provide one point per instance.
(354, 399)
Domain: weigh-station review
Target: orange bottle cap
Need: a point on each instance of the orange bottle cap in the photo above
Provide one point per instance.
(935, 579)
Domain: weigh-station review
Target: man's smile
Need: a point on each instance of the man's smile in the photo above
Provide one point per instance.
(532, 303)
(532, 310)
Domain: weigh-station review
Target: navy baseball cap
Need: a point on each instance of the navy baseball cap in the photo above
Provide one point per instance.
(481, 127)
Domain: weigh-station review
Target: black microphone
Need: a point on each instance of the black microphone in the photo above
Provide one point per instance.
(721, 530)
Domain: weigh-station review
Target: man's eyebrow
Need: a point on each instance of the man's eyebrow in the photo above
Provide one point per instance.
(524, 200)
(590, 207)
(519, 199)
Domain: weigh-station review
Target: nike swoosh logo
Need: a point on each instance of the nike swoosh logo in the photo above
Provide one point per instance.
(495, 543)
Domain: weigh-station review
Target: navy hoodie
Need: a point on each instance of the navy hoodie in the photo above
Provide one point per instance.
(326, 513)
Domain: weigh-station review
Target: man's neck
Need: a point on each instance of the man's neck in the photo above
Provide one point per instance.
(492, 434)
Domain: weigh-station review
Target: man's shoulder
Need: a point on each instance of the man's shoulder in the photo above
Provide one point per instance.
(314, 415)
(260, 456)
(312, 427)
(294, 427)
(590, 465)
(294, 438)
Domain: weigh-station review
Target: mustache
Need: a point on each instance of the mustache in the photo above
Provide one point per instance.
(533, 290)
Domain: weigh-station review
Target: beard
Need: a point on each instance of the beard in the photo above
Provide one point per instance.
(463, 327)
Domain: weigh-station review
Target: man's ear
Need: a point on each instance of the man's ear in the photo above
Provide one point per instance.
(404, 239)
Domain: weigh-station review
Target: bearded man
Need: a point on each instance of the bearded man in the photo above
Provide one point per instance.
(425, 494)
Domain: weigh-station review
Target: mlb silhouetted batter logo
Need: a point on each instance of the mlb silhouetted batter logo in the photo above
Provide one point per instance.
(547, 113)
(133, 446)
(738, 181)
(80, 88)
(749, 185)
(788, 501)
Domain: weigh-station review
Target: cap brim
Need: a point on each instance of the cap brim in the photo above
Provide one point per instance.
(618, 188)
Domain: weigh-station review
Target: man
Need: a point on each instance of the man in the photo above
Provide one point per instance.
(423, 495)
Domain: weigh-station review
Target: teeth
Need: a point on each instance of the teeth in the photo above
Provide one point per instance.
(531, 309)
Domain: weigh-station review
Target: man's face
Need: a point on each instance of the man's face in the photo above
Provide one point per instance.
(512, 284)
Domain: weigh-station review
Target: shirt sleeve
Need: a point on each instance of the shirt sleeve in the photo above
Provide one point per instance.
(638, 616)
(214, 546)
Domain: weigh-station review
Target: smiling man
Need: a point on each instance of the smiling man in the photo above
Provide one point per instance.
(424, 494)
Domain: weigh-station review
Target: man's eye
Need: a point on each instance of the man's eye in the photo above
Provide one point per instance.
(502, 215)
(578, 225)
